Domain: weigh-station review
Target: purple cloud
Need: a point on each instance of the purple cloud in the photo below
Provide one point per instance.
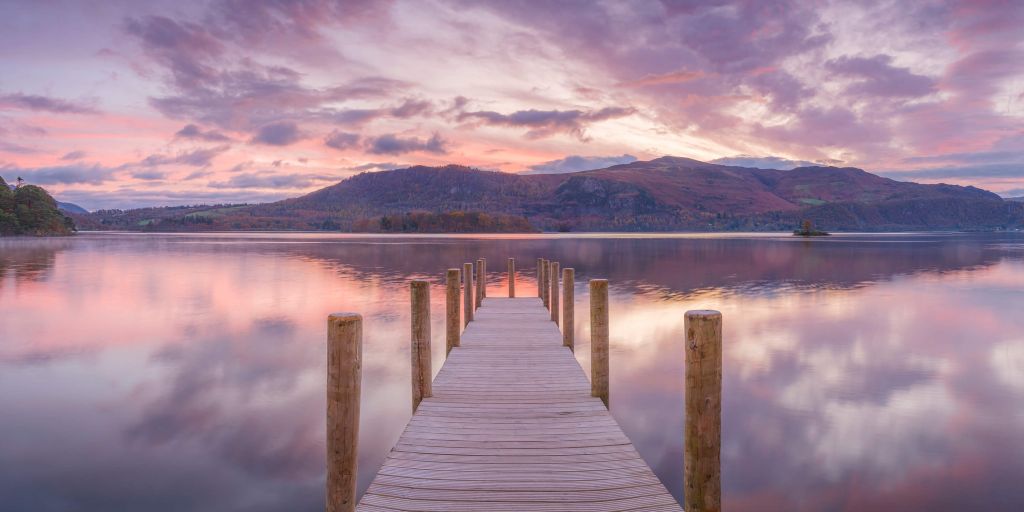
(273, 179)
(356, 116)
(377, 166)
(43, 104)
(878, 77)
(62, 174)
(149, 175)
(283, 133)
(182, 47)
(191, 131)
(342, 140)
(73, 155)
(11, 147)
(195, 158)
(391, 144)
(544, 123)
(764, 162)
(577, 163)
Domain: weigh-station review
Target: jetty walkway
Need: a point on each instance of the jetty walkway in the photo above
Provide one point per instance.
(511, 421)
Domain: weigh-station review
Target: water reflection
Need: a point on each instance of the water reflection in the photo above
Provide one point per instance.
(185, 372)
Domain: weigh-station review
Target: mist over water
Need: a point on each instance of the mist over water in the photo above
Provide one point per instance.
(186, 372)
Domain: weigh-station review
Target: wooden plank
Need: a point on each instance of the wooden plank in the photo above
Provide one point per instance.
(512, 425)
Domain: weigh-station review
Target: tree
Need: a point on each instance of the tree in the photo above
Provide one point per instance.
(30, 210)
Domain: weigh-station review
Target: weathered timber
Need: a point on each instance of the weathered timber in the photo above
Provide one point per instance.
(554, 292)
(344, 378)
(702, 472)
(421, 374)
(599, 339)
(452, 328)
(511, 277)
(568, 308)
(467, 295)
(479, 282)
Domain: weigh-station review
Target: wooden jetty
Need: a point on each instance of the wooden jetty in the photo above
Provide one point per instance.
(511, 421)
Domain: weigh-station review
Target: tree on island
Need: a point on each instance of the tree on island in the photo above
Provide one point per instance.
(30, 210)
(807, 229)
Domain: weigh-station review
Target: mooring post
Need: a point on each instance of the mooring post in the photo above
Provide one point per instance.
(544, 282)
(702, 467)
(511, 277)
(344, 377)
(479, 282)
(568, 298)
(540, 278)
(483, 279)
(599, 339)
(467, 296)
(421, 374)
(554, 292)
(451, 311)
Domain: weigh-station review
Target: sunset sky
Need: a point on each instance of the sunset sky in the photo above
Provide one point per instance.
(128, 103)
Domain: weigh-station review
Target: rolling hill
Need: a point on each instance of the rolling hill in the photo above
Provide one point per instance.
(665, 194)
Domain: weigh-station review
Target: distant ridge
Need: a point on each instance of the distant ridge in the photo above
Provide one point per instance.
(664, 194)
(71, 207)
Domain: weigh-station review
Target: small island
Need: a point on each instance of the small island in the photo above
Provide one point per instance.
(807, 229)
(30, 210)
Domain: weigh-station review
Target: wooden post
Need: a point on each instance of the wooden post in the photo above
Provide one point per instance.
(483, 279)
(544, 282)
(540, 278)
(479, 282)
(452, 311)
(554, 292)
(511, 277)
(344, 377)
(599, 339)
(568, 298)
(421, 374)
(467, 296)
(702, 467)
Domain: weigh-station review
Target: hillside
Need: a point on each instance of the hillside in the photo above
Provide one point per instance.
(30, 210)
(668, 193)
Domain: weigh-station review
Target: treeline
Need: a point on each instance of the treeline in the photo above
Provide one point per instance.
(447, 222)
(30, 210)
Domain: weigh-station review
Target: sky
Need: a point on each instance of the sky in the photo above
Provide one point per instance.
(118, 104)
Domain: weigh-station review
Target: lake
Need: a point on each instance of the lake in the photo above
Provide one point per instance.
(186, 372)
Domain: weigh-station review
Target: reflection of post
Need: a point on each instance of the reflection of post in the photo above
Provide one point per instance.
(452, 311)
(421, 381)
(554, 292)
(540, 278)
(344, 374)
(479, 282)
(467, 296)
(599, 339)
(511, 277)
(568, 298)
(703, 431)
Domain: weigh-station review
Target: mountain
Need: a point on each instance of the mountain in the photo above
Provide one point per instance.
(71, 207)
(30, 210)
(666, 194)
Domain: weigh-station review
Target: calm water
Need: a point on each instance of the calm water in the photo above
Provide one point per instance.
(186, 372)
